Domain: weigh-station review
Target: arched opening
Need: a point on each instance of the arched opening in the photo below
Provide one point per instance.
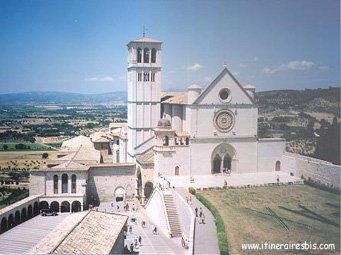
(3, 225)
(120, 194)
(153, 57)
(54, 206)
(187, 141)
(29, 211)
(65, 183)
(146, 54)
(73, 184)
(139, 182)
(216, 164)
(165, 140)
(223, 159)
(43, 205)
(148, 189)
(55, 184)
(17, 218)
(65, 207)
(35, 208)
(23, 214)
(278, 166)
(139, 55)
(177, 171)
(76, 206)
(10, 221)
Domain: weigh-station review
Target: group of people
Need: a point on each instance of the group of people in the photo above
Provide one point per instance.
(199, 214)
(227, 171)
(189, 200)
(184, 242)
(135, 245)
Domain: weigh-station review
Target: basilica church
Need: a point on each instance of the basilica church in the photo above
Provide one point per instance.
(204, 131)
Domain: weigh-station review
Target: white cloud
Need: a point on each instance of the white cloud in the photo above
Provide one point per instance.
(100, 79)
(195, 67)
(292, 65)
(324, 67)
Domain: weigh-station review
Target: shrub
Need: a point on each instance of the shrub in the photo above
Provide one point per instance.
(222, 237)
(192, 190)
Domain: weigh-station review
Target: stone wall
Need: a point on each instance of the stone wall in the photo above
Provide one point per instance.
(270, 151)
(103, 181)
(37, 182)
(319, 171)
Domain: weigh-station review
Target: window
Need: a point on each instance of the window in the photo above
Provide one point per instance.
(65, 180)
(153, 60)
(55, 184)
(165, 140)
(139, 76)
(152, 77)
(146, 55)
(177, 171)
(225, 95)
(139, 55)
(146, 77)
(187, 141)
(73, 184)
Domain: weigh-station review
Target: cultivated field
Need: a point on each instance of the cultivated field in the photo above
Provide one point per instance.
(278, 214)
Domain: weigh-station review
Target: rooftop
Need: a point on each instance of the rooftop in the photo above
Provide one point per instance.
(174, 97)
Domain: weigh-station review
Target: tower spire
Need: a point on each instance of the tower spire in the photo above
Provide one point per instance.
(144, 31)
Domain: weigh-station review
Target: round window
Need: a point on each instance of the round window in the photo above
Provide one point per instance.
(224, 95)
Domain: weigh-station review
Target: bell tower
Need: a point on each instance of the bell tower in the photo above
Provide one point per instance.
(144, 79)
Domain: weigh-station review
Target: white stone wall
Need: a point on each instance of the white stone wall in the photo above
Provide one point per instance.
(269, 152)
(166, 161)
(156, 211)
(37, 183)
(200, 121)
(201, 155)
(317, 170)
(103, 181)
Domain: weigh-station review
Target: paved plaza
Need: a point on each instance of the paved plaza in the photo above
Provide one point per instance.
(152, 244)
(22, 238)
(233, 180)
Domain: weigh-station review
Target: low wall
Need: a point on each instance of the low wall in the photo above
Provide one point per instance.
(319, 171)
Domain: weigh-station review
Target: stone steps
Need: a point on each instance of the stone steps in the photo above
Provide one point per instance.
(172, 215)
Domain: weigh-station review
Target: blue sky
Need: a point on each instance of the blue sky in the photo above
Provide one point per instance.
(80, 46)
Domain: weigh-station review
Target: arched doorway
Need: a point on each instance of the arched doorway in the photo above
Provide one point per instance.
(139, 183)
(17, 218)
(10, 221)
(278, 165)
(223, 158)
(29, 211)
(177, 171)
(54, 206)
(76, 206)
(3, 225)
(43, 205)
(35, 208)
(65, 207)
(120, 194)
(23, 214)
(148, 189)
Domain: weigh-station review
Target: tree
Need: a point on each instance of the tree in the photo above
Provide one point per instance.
(45, 155)
(5, 147)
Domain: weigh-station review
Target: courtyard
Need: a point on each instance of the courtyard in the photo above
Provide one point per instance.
(278, 214)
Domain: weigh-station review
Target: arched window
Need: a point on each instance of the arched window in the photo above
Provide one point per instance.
(153, 60)
(187, 141)
(55, 184)
(139, 55)
(146, 54)
(73, 184)
(278, 166)
(65, 183)
(165, 140)
(177, 171)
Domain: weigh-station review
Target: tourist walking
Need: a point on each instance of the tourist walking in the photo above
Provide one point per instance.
(196, 211)
(140, 240)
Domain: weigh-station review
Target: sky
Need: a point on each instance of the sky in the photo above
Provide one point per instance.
(80, 46)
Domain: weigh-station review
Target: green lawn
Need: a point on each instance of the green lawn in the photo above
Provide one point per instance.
(278, 214)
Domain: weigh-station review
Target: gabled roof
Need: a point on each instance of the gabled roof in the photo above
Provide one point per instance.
(174, 97)
(224, 72)
(77, 142)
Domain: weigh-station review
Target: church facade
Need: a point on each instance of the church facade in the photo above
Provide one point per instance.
(197, 133)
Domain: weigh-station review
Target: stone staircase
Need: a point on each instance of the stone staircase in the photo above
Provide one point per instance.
(172, 215)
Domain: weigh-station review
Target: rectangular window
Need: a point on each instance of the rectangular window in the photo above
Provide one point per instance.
(152, 78)
(146, 77)
(139, 76)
